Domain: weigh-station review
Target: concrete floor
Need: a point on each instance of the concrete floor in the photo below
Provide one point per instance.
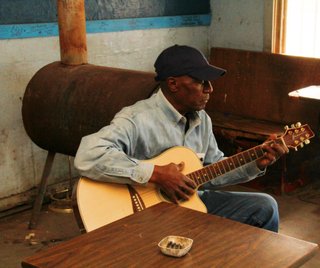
(299, 218)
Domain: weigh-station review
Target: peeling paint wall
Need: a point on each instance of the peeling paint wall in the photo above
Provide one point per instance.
(21, 162)
(241, 24)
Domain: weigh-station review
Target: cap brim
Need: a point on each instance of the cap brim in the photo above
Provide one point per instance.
(207, 73)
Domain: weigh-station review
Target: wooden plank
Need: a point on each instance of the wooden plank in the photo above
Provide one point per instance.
(246, 127)
(257, 84)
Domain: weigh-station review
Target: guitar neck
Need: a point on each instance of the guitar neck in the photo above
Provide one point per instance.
(212, 171)
(292, 138)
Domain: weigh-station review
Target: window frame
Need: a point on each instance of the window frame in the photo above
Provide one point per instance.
(279, 26)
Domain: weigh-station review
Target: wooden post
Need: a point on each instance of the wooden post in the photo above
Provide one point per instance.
(72, 31)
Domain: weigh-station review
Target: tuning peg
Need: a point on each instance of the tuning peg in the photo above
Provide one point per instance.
(286, 127)
(292, 126)
(298, 124)
(296, 149)
(307, 142)
(301, 145)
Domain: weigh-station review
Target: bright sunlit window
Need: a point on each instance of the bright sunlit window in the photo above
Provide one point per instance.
(302, 29)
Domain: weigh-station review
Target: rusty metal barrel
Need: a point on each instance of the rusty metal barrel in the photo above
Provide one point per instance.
(63, 103)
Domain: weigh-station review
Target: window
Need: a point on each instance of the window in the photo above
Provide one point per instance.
(297, 27)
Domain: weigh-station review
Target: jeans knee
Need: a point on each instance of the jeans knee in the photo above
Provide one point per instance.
(270, 213)
(270, 204)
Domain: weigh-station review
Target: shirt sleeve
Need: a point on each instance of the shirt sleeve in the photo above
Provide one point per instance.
(104, 156)
(241, 174)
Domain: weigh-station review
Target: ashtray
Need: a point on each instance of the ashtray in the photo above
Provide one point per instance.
(176, 246)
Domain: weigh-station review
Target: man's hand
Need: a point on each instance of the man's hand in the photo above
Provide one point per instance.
(273, 151)
(170, 179)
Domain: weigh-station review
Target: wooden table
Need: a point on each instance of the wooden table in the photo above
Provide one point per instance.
(218, 242)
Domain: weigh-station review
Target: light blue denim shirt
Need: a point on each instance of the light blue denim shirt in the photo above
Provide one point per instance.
(143, 131)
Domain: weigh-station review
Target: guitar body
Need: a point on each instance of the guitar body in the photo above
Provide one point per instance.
(100, 203)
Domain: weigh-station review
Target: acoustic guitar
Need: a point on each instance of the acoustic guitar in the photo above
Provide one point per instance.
(100, 203)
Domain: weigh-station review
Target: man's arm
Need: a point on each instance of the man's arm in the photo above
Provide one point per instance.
(104, 156)
(254, 169)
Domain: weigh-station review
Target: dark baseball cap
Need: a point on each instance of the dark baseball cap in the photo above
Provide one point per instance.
(184, 60)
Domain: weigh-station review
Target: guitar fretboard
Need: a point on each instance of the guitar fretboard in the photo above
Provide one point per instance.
(212, 171)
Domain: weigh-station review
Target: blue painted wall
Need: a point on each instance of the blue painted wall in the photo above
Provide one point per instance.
(38, 18)
(39, 11)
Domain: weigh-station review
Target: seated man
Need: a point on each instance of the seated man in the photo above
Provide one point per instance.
(175, 116)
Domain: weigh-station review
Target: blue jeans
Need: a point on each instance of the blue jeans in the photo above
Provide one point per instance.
(256, 209)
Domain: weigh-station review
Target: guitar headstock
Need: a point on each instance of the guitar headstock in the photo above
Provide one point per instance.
(297, 135)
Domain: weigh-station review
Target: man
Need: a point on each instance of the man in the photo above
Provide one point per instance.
(175, 116)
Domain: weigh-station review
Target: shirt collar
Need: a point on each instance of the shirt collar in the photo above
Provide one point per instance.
(170, 111)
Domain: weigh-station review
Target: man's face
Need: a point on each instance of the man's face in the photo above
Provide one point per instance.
(192, 94)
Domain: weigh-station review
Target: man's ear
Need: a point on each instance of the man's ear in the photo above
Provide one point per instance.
(172, 84)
